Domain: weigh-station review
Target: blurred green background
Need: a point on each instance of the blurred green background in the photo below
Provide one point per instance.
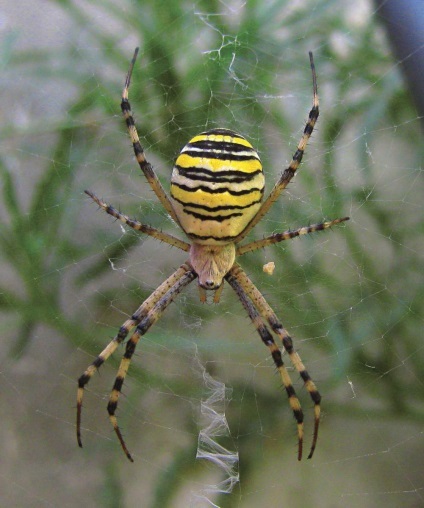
(352, 297)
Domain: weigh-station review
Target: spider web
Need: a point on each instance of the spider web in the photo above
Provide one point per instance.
(201, 385)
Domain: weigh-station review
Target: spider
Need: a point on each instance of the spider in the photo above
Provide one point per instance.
(216, 198)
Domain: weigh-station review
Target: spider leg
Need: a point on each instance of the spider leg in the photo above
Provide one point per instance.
(144, 325)
(268, 340)
(145, 166)
(138, 226)
(238, 278)
(135, 319)
(287, 235)
(290, 171)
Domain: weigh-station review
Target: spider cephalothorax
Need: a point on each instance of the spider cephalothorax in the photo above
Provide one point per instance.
(217, 188)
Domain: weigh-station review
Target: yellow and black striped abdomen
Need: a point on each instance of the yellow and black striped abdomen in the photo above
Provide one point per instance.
(217, 186)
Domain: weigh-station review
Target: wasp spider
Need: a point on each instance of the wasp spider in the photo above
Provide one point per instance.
(217, 186)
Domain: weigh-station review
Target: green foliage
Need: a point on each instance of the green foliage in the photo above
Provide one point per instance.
(201, 69)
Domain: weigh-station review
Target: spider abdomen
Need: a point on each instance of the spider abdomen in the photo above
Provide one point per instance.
(217, 186)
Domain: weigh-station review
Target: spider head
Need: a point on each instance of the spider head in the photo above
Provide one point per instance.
(212, 263)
